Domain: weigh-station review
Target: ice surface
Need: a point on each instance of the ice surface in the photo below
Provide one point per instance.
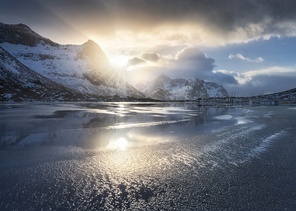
(292, 108)
(223, 117)
(265, 143)
(115, 156)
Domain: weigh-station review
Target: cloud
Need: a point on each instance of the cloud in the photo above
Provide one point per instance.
(274, 70)
(194, 59)
(222, 78)
(191, 62)
(263, 84)
(153, 57)
(188, 21)
(243, 58)
(135, 61)
(260, 81)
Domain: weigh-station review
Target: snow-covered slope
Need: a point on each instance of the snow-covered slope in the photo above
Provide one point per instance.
(18, 82)
(165, 88)
(83, 68)
(215, 90)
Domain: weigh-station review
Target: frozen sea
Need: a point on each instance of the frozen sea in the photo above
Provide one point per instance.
(146, 156)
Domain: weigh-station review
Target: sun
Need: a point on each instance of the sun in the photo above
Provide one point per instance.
(119, 61)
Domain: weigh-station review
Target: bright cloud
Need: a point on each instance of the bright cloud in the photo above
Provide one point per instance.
(274, 70)
(248, 76)
(243, 58)
(266, 80)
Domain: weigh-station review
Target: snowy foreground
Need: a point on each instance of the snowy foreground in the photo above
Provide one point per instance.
(91, 156)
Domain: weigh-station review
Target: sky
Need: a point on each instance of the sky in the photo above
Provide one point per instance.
(248, 46)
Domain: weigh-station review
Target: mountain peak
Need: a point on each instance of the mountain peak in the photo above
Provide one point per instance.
(90, 42)
(92, 51)
(91, 47)
(22, 34)
(23, 26)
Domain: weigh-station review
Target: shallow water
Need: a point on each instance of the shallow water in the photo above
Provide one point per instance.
(99, 125)
(81, 156)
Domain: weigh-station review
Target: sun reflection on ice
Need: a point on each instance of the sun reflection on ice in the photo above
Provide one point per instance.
(118, 144)
(121, 110)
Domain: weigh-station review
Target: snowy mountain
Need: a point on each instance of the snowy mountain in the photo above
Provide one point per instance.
(18, 82)
(34, 67)
(165, 88)
(82, 68)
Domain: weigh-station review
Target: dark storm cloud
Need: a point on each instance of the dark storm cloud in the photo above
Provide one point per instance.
(220, 16)
(224, 16)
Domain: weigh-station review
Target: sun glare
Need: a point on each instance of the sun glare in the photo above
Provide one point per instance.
(120, 61)
(119, 144)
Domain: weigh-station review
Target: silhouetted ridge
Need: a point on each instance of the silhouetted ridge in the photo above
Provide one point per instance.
(22, 34)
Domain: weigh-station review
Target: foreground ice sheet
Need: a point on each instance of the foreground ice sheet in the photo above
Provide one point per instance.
(146, 156)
